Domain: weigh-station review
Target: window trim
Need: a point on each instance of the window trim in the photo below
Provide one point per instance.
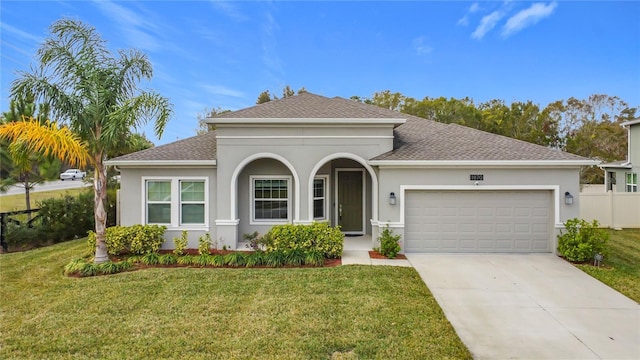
(191, 202)
(630, 185)
(252, 219)
(325, 198)
(176, 204)
(152, 202)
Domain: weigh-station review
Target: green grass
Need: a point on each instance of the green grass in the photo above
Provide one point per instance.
(17, 202)
(344, 312)
(623, 263)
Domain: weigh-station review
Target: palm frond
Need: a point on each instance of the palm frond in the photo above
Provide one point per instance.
(47, 139)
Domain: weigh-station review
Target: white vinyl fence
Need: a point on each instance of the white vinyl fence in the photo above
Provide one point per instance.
(611, 209)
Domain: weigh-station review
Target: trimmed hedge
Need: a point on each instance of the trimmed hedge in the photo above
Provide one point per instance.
(135, 239)
(317, 237)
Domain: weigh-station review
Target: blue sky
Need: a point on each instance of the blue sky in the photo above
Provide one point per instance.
(209, 54)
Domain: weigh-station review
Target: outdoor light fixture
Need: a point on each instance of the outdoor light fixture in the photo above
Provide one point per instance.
(392, 198)
(568, 198)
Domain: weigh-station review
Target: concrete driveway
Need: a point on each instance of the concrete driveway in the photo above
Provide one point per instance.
(533, 306)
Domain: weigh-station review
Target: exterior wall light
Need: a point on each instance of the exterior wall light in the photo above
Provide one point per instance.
(392, 198)
(568, 198)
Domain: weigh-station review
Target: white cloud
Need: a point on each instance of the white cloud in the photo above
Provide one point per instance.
(140, 31)
(528, 17)
(21, 34)
(487, 23)
(421, 47)
(464, 21)
(222, 90)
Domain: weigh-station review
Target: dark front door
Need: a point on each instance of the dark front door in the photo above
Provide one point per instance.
(350, 201)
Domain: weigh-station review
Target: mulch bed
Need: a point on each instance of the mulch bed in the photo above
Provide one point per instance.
(376, 255)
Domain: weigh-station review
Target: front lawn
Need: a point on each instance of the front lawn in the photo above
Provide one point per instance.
(622, 271)
(17, 201)
(345, 312)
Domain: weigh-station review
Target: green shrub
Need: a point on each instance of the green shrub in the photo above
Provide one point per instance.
(204, 244)
(235, 259)
(150, 259)
(83, 268)
(187, 260)
(275, 258)
(582, 240)
(135, 239)
(295, 257)
(203, 259)
(254, 259)
(318, 237)
(22, 236)
(389, 243)
(217, 260)
(66, 218)
(167, 259)
(180, 244)
(314, 258)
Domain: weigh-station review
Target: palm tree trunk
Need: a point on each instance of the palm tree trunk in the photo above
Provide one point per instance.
(100, 197)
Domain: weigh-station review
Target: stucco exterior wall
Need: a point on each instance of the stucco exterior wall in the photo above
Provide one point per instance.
(132, 197)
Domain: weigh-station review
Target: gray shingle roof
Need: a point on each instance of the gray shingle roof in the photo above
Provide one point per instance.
(416, 139)
(311, 106)
(421, 139)
(201, 147)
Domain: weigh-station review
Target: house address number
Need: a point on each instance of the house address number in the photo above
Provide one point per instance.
(476, 177)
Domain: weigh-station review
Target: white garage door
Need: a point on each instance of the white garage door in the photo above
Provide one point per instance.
(478, 221)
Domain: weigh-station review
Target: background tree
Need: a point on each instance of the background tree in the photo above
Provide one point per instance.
(264, 97)
(96, 95)
(587, 127)
(287, 91)
(203, 126)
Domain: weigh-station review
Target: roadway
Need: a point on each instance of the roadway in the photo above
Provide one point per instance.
(48, 186)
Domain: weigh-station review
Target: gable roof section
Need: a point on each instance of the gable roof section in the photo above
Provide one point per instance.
(416, 141)
(432, 142)
(197, 150)
(311, 106)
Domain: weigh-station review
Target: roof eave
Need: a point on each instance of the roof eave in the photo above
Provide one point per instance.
(631, 122)
(308, 121)
(498, 163)
(156, 163)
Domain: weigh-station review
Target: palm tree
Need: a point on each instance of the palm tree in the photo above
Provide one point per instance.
(96, 95)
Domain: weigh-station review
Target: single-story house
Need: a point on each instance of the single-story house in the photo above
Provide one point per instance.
(306, 158)
(622, 176)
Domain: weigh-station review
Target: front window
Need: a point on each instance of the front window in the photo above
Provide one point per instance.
(319, 198)
(270, 199)
(158, 202)
(175, 202)
(632, 182)
(192, 202)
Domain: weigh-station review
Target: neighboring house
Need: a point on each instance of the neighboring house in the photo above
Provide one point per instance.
(622, 176)
(306, 158)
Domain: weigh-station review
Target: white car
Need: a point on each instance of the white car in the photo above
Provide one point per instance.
(72, 174)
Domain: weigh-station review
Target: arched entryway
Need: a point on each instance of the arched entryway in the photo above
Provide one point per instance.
(343, 189)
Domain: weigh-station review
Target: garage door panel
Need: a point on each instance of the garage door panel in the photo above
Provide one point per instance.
(478, 221)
